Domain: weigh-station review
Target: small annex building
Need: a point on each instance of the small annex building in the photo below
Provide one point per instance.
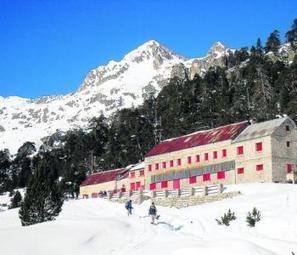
(137, 177)
(235, 153)
(105, 181)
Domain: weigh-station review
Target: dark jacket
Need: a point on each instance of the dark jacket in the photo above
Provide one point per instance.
(152, 210)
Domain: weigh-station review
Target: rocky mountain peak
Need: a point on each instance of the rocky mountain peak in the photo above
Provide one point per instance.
(217, 48)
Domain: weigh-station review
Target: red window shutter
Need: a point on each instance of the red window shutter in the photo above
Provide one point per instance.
(138, 184)
(157, 166)
(215, 154)
(240, 170)
(289, 168)
(150, 168)
(206, 156)
(152, 186)
(240, 150)
(164, 184)
(189, 160)
(221, 175)
(206, 177)
(197, 158)
(141, 173)
(224, 153)
(132, 186)
(164, 164)
(259, 167)
(259, 146)
(192, 179)
(171, 163)
(179, 162)
(176, 184)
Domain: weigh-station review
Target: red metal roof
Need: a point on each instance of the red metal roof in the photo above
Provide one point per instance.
(105, 176)
(198, 138)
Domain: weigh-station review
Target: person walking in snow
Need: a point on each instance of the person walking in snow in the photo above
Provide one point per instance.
(129, 207)
(153, 212)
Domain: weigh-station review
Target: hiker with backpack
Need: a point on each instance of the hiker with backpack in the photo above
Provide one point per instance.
(153, 213)
(129, 207)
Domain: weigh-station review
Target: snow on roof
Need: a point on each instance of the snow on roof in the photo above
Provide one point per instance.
(198, 138)
(138, 166)
(260, 129)
(105, 176)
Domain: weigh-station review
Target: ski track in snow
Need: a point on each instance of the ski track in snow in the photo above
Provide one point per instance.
(100, 227)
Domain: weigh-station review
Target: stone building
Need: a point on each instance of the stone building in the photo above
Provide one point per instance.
(235, 153)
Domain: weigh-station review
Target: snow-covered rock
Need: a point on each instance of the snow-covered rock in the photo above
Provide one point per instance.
(105, 89)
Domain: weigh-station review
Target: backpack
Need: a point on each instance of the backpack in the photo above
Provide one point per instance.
(127, 205)
(153, 210)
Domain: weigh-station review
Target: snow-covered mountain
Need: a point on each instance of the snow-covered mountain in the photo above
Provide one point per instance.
(105, 89)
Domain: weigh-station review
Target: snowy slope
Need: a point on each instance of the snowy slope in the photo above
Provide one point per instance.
(97, 226)
(105, 89)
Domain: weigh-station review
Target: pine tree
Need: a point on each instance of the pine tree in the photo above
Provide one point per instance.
(273, 42)
(291, 35)
(43, 199)
(16, 200)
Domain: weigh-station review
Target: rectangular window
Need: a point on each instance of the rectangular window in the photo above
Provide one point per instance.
(150, 168)
(221, 175)
(288, 144)
(138, 185)
(259, 146)
(189, 160)
(171, 163)
(152, 186)
(179, 162)
(289, 168)
(164, 164)
(141, 173)
(240, 150)
(206, 156)
(287, 128)
(215, 154)
(164, 184)
(240, 170)
(132, 186)
(157, 166)
(224, 153)
(132, 175)
(192, 179)
(197, 158)
(259, 167)
(206, 177)
(176, 184)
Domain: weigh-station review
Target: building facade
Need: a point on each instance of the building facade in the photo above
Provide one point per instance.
(137, 177)
(236, 153)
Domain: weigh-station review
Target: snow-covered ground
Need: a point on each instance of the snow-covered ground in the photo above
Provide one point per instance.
(100, 227)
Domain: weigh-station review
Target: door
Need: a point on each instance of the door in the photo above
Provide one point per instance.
(176, 184)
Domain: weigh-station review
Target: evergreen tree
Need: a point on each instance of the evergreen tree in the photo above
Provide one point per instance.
(273, 42)
(291, 35)
(43, 199)
(16, 200)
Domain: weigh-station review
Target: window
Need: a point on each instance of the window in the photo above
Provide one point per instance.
(197, 158)
(138, 185)
(164, 184)
(176, 184)
(240, 170)
(287, 128)
(141, 173)
(289, 168)
(150, 168)
(224, 153)
(206, 177)
(206, 156)
(171, 163)
(192, 179)
(215, 154)
(189, 160)
(164, 164)
(132, 186)
(259, 167)
(132, 175)
(179, 162)
(259, 146)
(221, 175)
(157, 166)
(152, 186)
(288, 144)
(240, 150)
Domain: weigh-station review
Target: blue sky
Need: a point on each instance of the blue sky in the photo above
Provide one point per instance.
(48, 46)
